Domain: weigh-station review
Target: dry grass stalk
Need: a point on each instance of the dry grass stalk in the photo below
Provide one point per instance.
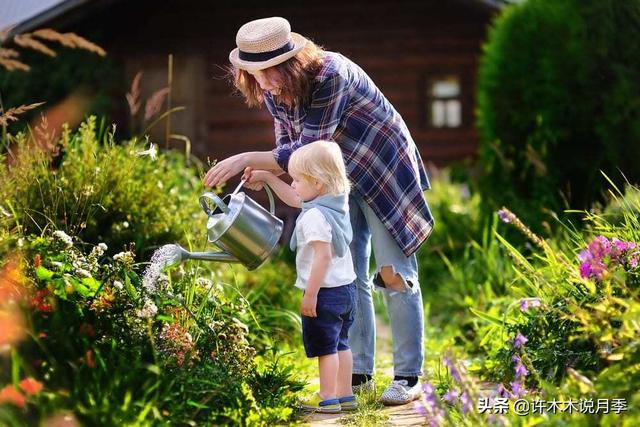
(11, 113)
(8, 53)
(44, 138)
(154, 103)
(12, 64)
(71, 40)
(25, 40)
(133, 96)
(5, 33)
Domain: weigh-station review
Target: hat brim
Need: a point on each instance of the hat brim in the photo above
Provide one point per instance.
(298, 43)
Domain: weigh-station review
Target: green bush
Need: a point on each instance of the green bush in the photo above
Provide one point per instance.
(558, 101)
(462, 263)
(570, 314)
(114, 348)
(102, 192)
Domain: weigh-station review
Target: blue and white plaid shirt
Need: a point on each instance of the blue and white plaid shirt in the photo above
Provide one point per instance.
(382, 161)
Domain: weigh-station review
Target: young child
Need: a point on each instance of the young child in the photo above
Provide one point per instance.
(323, 263)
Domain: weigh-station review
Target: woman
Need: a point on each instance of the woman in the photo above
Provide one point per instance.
(315, 94)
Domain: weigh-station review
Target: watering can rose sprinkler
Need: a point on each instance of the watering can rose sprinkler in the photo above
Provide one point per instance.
(245, 231)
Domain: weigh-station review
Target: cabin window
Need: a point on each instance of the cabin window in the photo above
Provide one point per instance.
(445, 102)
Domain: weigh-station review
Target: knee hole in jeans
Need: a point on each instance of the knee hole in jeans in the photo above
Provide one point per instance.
(390, 279)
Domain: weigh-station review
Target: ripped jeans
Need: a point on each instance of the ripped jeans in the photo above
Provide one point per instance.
(405, 308)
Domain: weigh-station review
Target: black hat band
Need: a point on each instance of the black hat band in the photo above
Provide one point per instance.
(265, 56)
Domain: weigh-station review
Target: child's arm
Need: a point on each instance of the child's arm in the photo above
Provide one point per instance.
(319, 268)
(281, 188)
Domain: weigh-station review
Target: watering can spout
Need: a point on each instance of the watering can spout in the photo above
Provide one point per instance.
(212, 256)
(175, 254)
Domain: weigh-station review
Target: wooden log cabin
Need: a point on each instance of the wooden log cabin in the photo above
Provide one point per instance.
(423, 54)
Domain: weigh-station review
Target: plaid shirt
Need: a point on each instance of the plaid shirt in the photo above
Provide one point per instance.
(382, 161)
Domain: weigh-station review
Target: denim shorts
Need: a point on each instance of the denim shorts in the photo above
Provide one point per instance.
(328, 333)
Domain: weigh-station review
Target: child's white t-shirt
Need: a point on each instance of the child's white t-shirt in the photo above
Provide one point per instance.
(313, 226)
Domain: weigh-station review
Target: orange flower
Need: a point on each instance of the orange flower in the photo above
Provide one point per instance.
(42, 301)
(37, 261)
(12, 328)
(90, 362)
(9, 394)
(30, 386)
(12, 281)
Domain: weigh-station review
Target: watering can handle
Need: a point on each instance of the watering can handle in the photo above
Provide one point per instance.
(213, 197)
(272, 205)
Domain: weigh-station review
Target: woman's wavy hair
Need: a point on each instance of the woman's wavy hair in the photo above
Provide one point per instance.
(297, 74)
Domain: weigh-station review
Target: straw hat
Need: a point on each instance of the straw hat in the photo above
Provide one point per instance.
(264, 43)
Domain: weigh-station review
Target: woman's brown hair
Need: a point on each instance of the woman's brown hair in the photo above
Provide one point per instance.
(296, 74)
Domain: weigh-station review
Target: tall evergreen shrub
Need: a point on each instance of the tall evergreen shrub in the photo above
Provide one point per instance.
(559, 101)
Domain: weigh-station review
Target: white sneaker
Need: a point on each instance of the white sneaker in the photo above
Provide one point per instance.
(399, 393)
(365, 387)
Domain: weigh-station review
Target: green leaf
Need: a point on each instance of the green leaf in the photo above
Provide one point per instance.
(196, 404)
(43, 273)
(487, 316)
(153, 369)
(58, 289)
(92, 284)
(129, 287)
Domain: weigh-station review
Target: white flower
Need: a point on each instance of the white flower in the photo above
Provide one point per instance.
(118, 285)
(82, 272)
(152, 152)
(205, 283)
(97, 251)
(103, 246)
(125, 224)
(63, 237)
(124, 257)
(149, 309)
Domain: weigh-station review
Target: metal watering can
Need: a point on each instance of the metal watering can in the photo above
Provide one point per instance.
(245, 231)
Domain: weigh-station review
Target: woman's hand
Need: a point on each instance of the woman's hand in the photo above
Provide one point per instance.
(308, 305)
(225, 170)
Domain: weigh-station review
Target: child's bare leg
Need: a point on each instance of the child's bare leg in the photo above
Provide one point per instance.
(345, 369)
(328, 366)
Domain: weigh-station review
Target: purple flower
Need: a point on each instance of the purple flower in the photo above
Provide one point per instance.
(467, 403)
(585, 255)
(520, 340)
(516, 359)
(592, 270)
(622, 246)
(427, 388)
(501, 391)
(447, 361)
(600, 247)
(506, 216)
(633, 262)
(430, 396)
(521, 371)
(517, 389)
(526, 303)
(420, 408)
(451, 396)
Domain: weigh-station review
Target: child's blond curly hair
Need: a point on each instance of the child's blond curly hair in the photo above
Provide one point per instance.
(322, 161)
